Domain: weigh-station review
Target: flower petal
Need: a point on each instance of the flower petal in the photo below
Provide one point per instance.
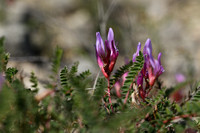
(100, 45)
(140, 80)
(110, 35)
(161, 67)
(159, 58)
(137, 52)
(147, 47)
(108, 51)
(99, 61)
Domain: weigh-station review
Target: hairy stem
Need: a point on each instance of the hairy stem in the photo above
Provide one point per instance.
(109, 97)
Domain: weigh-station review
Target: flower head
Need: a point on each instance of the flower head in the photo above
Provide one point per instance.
(155, 69)
(152, 67)
(151, 70)
(106, 54)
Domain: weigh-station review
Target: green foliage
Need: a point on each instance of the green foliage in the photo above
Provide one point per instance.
(84, 74)
(2, 39)
(71, 105)
(64, 78)
(154, 100)
(10, 73)
(133, 72)
(74, 69)
(195, 96)
(6, 100)
(66, 75)
(5, 60)
(99, 89)
(34, 81)
(168, 116)
(3, 56)
(56, 60)
(118, 74)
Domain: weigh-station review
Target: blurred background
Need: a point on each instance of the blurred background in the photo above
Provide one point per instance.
(33, 28)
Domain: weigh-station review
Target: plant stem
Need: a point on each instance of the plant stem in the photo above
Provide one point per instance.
(109, 97)
(127, 94)
(179, 117)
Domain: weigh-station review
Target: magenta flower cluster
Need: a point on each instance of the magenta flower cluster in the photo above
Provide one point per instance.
(106, 54)
(152, 69)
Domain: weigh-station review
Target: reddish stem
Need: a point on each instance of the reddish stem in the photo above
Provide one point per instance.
(125, 100)
(148, 91)
(178, 117)
(109, 97)
(127, 94)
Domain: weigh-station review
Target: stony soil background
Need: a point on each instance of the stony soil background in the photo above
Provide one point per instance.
(34, 27)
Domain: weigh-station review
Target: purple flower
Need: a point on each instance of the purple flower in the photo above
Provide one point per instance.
(151, 70)
(155, 69)
(152, 66)
(147, 52)
(142, 91)
(106, 54)
(137, 52)
(180, 78)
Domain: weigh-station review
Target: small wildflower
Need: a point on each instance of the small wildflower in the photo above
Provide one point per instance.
(106, 54)
(155, 70)
(151, 70)
(153, 66)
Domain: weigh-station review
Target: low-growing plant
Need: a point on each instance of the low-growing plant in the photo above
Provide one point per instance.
(132, 99)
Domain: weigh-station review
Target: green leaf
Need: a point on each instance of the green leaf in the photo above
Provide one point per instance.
(56, 60)
(34, 81)
(74, 69)
(3, 56)
(118, 74)
(10, 73)
(6, 101)
(133, 72)
(100, 89)
(64, 77)
(84, 74)
(196, 94)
